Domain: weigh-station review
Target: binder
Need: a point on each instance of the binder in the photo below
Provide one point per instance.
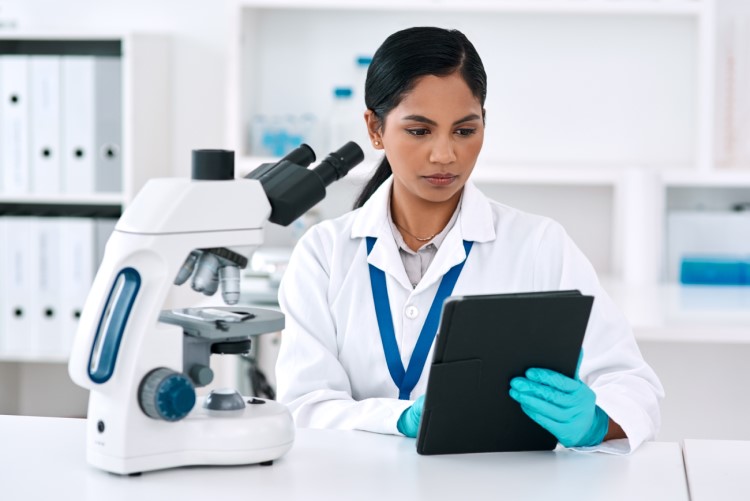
(14, 124)
(78, 111)
(103, 228)
(4, 237)
(46, 306)
(19, 281)
(108, 125)
(44, 72)
(76, 273)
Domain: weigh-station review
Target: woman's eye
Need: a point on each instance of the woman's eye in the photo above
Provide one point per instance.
(417, 132)
(465, 131)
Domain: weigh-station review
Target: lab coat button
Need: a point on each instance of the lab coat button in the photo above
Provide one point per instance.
(412, 312)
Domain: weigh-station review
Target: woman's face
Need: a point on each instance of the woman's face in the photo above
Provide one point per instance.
(432, 138)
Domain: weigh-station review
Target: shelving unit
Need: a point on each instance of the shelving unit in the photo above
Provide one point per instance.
(145, 151)
(631, 107)
(146, 88)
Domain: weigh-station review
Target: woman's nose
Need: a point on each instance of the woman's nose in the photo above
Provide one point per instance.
(442, 151)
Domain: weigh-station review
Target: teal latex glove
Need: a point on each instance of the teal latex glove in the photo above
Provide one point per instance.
(408, 423)
(563, 406)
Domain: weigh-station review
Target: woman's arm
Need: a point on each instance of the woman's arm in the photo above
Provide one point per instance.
(311, 380)
(614, 432)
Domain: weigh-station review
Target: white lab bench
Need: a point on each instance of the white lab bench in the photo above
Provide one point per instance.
(44, 458)
(717, 470)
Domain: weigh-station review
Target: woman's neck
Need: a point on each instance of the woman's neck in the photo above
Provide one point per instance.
(417, 219)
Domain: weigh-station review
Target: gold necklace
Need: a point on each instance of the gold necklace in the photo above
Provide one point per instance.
(426, 239)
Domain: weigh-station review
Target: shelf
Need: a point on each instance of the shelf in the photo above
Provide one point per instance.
(734, 178)
(93, 199)
(635, 7)
(677, 313)
(41, 359)
(596, 110)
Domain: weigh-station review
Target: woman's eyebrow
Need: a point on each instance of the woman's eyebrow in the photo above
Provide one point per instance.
(423, 119)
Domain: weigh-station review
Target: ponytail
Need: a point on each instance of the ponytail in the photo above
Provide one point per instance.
(382, 173)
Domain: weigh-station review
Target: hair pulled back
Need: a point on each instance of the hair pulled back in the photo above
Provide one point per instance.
(404, 58)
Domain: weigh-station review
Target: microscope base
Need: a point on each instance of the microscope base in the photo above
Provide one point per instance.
(260, 433)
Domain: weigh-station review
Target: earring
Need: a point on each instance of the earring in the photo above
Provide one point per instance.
(377, 143)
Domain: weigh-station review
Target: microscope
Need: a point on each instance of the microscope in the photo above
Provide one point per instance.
(142, 364)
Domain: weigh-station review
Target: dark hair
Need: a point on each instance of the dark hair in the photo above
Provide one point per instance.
(400, 61)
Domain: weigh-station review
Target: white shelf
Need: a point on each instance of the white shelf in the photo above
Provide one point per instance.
(41, 359)
(680, 313)
(93, 199)
(720, 178)
(635, 7)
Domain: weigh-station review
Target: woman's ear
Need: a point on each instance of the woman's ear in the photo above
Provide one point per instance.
(373, 129)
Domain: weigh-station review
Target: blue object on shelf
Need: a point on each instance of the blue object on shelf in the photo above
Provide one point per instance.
(714, 271)
(364, 61)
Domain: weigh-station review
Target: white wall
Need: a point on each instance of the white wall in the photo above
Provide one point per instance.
(198, 31)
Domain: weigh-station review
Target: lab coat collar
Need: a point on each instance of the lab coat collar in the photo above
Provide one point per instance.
(475, 223)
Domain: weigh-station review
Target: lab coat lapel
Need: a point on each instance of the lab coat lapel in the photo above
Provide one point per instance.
(475, 223)
(372, 221)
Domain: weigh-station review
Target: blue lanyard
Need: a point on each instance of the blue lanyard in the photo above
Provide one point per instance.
(407, 379)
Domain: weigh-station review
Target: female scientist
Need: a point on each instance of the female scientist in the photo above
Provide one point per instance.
(420, 222)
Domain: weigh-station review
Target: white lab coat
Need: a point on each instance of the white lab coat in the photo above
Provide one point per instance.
(331, 371)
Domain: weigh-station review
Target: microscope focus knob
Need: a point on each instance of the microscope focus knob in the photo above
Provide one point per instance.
(166, 394)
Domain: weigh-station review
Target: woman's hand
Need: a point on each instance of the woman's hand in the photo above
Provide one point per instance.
(408, 423)
(563, 406)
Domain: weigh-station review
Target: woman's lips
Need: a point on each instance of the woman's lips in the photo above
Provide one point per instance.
(441, 179)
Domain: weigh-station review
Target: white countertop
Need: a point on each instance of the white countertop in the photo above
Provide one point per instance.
(717, 470)
(44, 458)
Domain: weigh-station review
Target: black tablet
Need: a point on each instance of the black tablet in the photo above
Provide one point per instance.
(483, 342)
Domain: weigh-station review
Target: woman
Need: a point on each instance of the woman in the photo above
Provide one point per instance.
(416, 219)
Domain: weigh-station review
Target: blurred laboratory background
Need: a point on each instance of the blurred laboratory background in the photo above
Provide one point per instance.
(628, 121)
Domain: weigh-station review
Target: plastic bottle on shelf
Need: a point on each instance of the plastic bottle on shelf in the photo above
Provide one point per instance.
(274, 137)
(312, 133)
(346, 122)
(257, 130)
(362, 63)
(341, 120)
(293, 137)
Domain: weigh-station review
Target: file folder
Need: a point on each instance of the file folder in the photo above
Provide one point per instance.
(77, 273)
(4, 237)
(19, 273)
(108, 125)
(483, 342)
(103, 228)
(45, 125)
(14, 124)
(78, 112)
(49, 335)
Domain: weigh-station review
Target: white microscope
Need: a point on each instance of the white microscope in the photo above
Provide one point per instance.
(142, 364)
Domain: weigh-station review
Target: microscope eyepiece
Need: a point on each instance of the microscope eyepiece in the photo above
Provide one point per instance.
(293, 189)
(302, 155)
(337, 164)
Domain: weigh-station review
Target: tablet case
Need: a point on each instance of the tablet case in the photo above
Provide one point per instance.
(483, 342)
